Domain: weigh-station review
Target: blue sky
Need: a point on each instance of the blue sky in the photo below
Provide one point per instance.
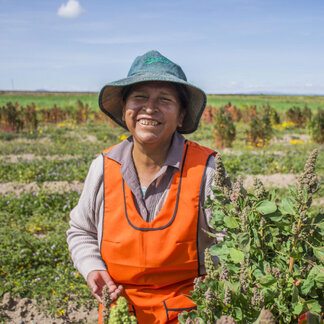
(223, 46)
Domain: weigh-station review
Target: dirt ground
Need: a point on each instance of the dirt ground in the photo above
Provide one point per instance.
(18, 187)
(26, 311)
(29, 157)
(278, 180)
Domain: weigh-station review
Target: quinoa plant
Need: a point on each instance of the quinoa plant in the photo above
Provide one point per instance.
(271, 259)
(224, 129)
(208, 114)
(117, 314)
(12, 119)
(316, 127)
(233, 111)
(249, 113)
(82, 114)
(273, 114)
(298, 116)
(259, 131)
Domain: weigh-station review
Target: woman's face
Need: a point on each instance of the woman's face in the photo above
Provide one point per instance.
(152, 112)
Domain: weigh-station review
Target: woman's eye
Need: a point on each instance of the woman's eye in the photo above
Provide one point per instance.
(165, 99)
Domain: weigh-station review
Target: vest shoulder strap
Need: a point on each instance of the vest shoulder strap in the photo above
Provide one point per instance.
(201, 149)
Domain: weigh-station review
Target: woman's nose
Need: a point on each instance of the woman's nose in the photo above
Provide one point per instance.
(150, 106)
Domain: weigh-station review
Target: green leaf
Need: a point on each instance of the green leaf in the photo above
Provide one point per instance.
(294, 297)
(314, 272)
(220, 250)
(319, 222)
(256, 236)
(288, 205)
(298, 309)
(230, 222)
(218, 215)
(266, 207)
(258, 273)
(276, 216)
(319, 279)
(308, 284)
(210, 233)
(243, 240)
(267, 280)
(319, 253)
(293, 191)
(236, 255)
(314, 306)
(238, 313)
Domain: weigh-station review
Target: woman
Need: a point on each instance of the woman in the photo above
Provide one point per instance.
(139, 226)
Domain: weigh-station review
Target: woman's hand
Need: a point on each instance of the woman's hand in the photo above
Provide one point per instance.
(97, 279)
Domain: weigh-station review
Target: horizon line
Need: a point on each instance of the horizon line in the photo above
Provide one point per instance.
(249, 93)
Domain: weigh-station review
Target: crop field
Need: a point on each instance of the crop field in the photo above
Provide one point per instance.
(68, 100)
(45, 156)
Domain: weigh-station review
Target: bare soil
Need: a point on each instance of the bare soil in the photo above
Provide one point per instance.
(27, 311)
(278, 180)
(11, 158)
(18, 187)
(234, 152)
(285, 139)
(28, 140)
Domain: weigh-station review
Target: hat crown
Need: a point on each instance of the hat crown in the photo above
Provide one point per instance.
(155, 62)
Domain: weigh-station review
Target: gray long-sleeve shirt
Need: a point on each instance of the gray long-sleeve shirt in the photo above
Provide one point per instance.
(85, 232)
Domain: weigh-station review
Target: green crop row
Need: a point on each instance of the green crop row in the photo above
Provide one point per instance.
(69, 100)
(53, 140)
(35, 261)
(45, 170)
(41, 170)
(268, 163)
(280, 103)
(47, 100)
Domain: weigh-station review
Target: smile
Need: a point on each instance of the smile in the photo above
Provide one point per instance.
(146, 122)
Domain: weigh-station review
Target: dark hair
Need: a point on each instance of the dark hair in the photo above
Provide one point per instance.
(181, 89)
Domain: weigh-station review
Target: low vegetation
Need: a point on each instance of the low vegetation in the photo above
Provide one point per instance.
(35, 262)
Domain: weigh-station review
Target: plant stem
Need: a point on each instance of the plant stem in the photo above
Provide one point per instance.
(291, 259)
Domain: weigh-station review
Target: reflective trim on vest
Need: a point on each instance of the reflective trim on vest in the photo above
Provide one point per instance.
(175, 207)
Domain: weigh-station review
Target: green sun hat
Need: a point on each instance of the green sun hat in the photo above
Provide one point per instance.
(152, 66)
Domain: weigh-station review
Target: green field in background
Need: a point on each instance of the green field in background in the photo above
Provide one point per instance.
(49, 99)
(69, 100)
(280, 103)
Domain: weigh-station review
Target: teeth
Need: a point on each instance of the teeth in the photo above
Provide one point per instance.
(148, 122)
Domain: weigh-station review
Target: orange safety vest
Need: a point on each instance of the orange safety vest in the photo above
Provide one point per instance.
(155, 262)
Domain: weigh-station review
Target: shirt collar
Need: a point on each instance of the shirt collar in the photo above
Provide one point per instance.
(122, 153)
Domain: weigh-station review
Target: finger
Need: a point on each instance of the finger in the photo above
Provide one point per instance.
(108, 281)
(96, 296)
(93, 287)
(116, 293)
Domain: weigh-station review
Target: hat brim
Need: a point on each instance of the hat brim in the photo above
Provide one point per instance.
(110, 99)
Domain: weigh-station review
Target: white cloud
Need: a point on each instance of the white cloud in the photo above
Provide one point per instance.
(71, 9)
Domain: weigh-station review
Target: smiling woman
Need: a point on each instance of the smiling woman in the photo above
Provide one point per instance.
(152, 110)
(140, 227)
